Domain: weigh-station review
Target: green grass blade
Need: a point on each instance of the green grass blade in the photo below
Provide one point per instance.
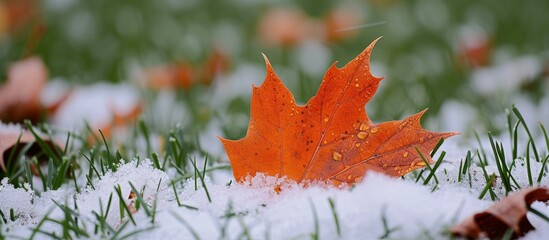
(521, 120)
(336, 218)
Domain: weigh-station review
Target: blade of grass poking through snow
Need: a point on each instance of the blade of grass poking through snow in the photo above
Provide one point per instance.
(36, 229)
(73, 175)
(123, 205)
(201, 176)
(153, 211)
(119, 157)
(175, 193)
(386, 229)
(10, 160)
(104, 215)
(158, 186)
(178, 152)
(130, 234)
(488, 187)
(460, 169)
(102, 218)
(537, 213)
(314, 235)
(334, 214)
(528, 169)
(426, 164)
(90, 133)
(111, 163)
(501, 166)
(49, 176)
(485, 174)
(467, 163)
(145, 130)
(14, 171)
(62, 173)
(91, 161)
(521, 120)
(228, 215)
(245, 233)
(12, 215)
(542, 169)
(156, 162)
(43, 145)
(483, 156)
(499, 146)
(513, 130)
(435, 167)
(66, 148)
(178, 201)
(3, 218)
(28, 173)
(515, 141)
(186, 224)
(70, 222)
(34, 161)
(546, 138)
(544, 162)
(419, 175)
(437, 146)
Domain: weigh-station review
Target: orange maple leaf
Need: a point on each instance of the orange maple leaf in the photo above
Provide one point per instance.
(330, 138)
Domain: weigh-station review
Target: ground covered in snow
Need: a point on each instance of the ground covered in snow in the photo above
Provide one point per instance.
(379, 207)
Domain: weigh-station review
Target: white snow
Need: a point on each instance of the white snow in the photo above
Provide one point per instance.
(96, 104)
(9, 128)
(408, 207)
(505, 77)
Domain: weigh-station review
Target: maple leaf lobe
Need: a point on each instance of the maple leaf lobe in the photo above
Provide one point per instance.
(330, 138)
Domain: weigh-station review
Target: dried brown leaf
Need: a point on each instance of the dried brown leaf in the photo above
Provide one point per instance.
(509, 213)
(12, 143)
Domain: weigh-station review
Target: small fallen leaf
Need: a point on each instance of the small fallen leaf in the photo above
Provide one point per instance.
(509, 213)
(9, 146)
(287, 27)
(330, 138)
(169, 77)
(20, 96)
(474, 47)
(184, 75)
(217, 63)
(340, 23)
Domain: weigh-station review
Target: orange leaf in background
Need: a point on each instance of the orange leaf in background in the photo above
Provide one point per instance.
(340, 21)
(17, 13)
(20, 96)
(286, 27)
(169, 77)
(330, 138)
(509, 213)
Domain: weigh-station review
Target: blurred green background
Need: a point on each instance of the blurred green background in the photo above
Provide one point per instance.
(432, 52)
